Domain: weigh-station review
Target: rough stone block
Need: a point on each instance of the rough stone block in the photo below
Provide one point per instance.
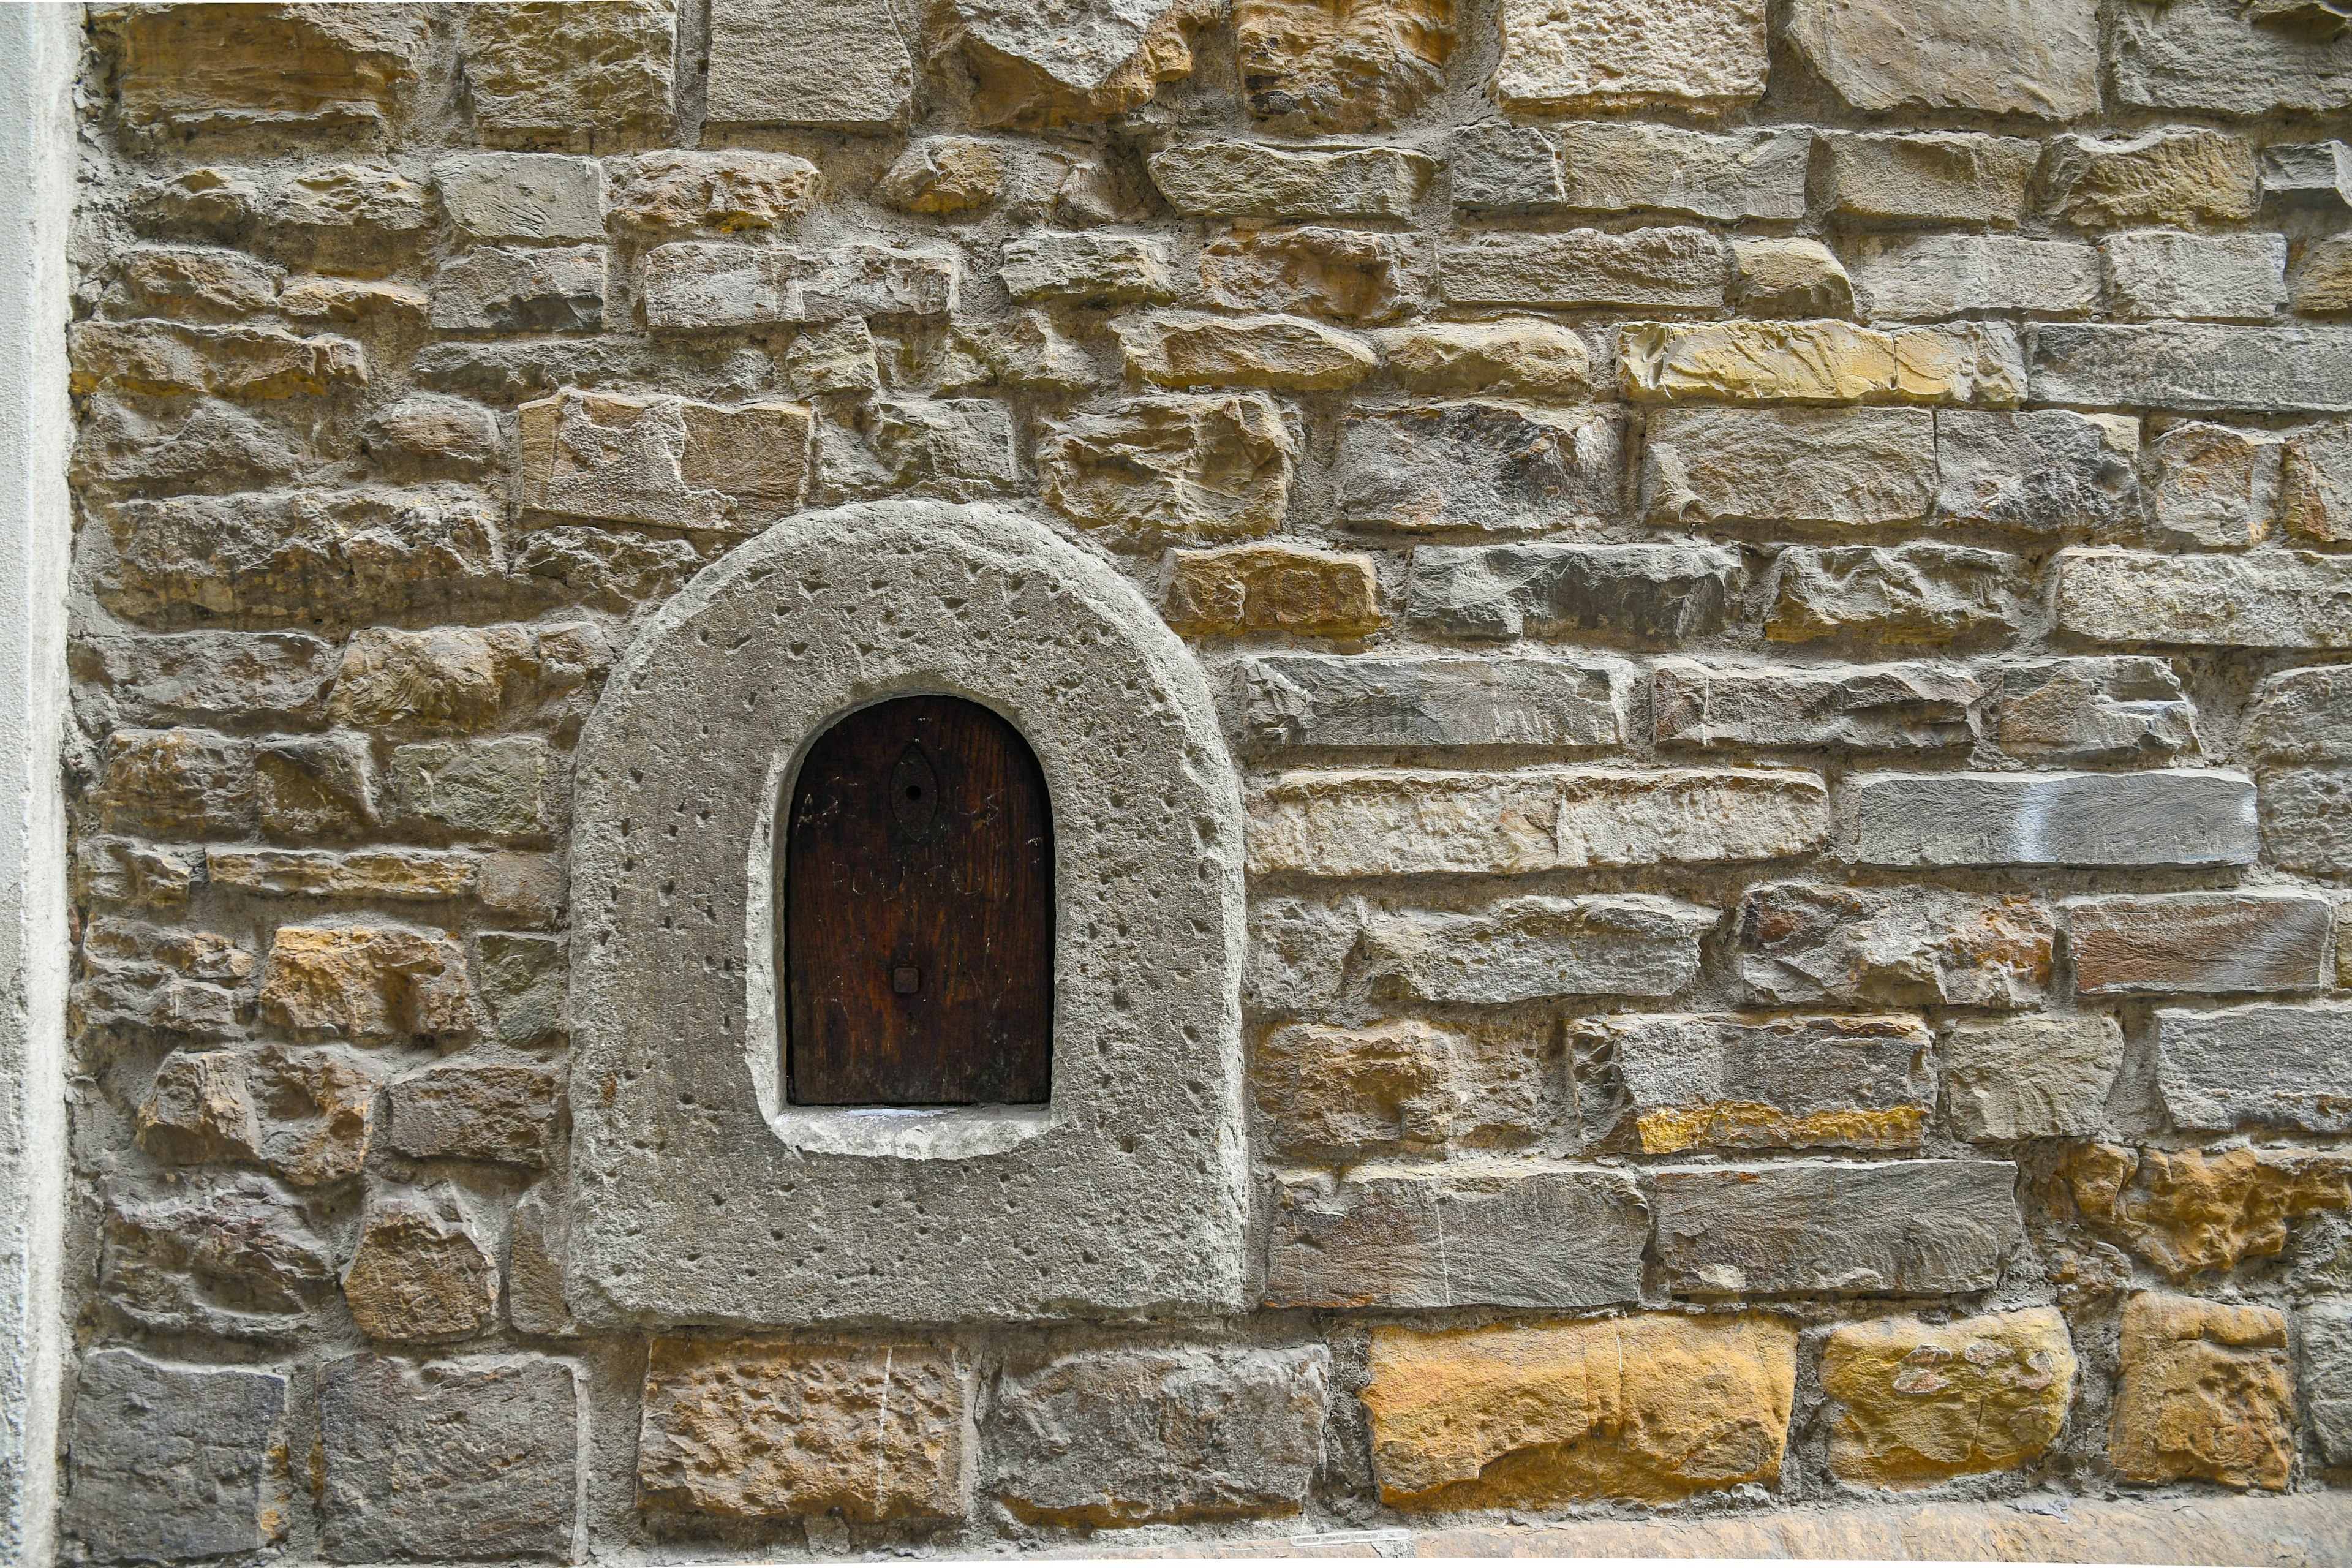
(441, 430)
(421, 1272)
(1806, 943)
(723, 192)
(747, 1430)
(1919, 1404)
(2046, 471)
(1405, 822)
(1256, 179)
(1725, 1081)
(242, 364)
(1404, 1086)
(2276, 599)
(498, 786)
(844, 65)
(1939, 274)
(1528, 949)
(1902, 1227)
(1124, 1438)
(1159, 469)
(1875, 708)
(2217, 487)
(2036, 58)
(2096, 710)
(2173, 817)
(1525, 355)
(1307, 66)
(216, 68)
(1911, 594)
(620, 63)
(1345, 274)
(1481, 466)
(522, 983)
(1300, 953)
(179, 784)
(1821, 361)
(2033, 1075)
(1789, 278)
(2177, 175)
(506, 289)
(2198, 941)
(1482, 1232)
(126, 871)
(1188, 349)
(538, 1246)
(1422, 700)
(367, 983)
(957, 448)
(1271, 588)
(1088, 266)
(474, 1460)
(2307, 821)
(1625, 166)
(316, 786)
(152, 977)
(2187, 1211)
(2322, 286)
(171, 1464)
(1642, 268)
(695, 286)
(2308, 173)
(2206, 1394)
(2196, 277)
(1497, 167)
(2194, 367)
(541, 197)
(944, 175)
(1653, 1406)
(1040, 65)
(1832, 467)
(195, 282)
(2229, 59)
(2301, 716)
(1650, 591)
(2324, 1334)
(1577, 56)
(199, 1110)
(236, 1257)
(495, 1110)
(458, 677)
(1934, 177)
(2257, 1066)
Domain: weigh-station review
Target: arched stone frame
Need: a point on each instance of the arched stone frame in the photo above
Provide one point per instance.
(696, 1196)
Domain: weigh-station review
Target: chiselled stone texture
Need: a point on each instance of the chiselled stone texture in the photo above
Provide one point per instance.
(1650, 592)
(2198, 941)
(1944, 177)
(1314, 65)
(1649, 269)
(1065, 62)
(1898, 1227)
(1397, 1087)
(663, 462)
(1271, 588)
(1171, 468)
(2187, 1210)
(1919, 1404)
(472, 1460)
(1480, 467)
(1325, 699)
(421, 1272)
(842, 63)
(1493, 1231)
(210, 68)
(2206, 1394)
(1704, 56)
(1932, 276)
(1522, 949)
(746, 1430)
(1256, 179)
(1903, 946)
(622, 88)
(2168, 817)
(2037, 57)
(1650, 1407)
(2031, 1076)
(2278, 1066)
(1136, 1437)
(2228, 59)
(169, 1464)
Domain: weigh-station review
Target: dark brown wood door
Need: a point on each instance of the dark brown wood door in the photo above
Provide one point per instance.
(918, 913)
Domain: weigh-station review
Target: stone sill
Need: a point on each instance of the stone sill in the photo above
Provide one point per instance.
(947, 1132)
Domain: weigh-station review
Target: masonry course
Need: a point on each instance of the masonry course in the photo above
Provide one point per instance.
(1743, 598)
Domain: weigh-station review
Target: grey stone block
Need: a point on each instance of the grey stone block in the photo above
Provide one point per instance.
(2272, 598)
(1939, 274)
(509, 290)
(522, 196)
(2033, 1075)
(2045, 470)
(2307, 819)
(2264, 1065)
(1524, 950)
(841, 64)
(1652, 592)
(1900, 946)
(1257, 179)
(2192, 367)
(1700, 1082)
(1401, 700)
(1125, 1438)
(2173, 817)
(694, 285)
(1644, 268)
(1936, 176)
(2318, 174)
(2301, 716)
(2158, 942)
(235, 1257)
(2324, 1335)
(2213, 55)
(2197, 276)
(1481, 466)
(2096, 710)
(169, 1464)
(1885, 706)
(1902, 1227)
(1486, 1232)
(1823, 466)
(1627, 165)
(2216, 487)
(1911, 594)
(1498, 167)
(470, 1460)
(2036, 58)
(1084, 265)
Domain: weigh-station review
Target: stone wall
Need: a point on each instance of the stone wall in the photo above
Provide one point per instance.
(1775, 573)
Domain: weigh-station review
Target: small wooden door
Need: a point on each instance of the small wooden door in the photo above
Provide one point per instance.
(918, 913)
